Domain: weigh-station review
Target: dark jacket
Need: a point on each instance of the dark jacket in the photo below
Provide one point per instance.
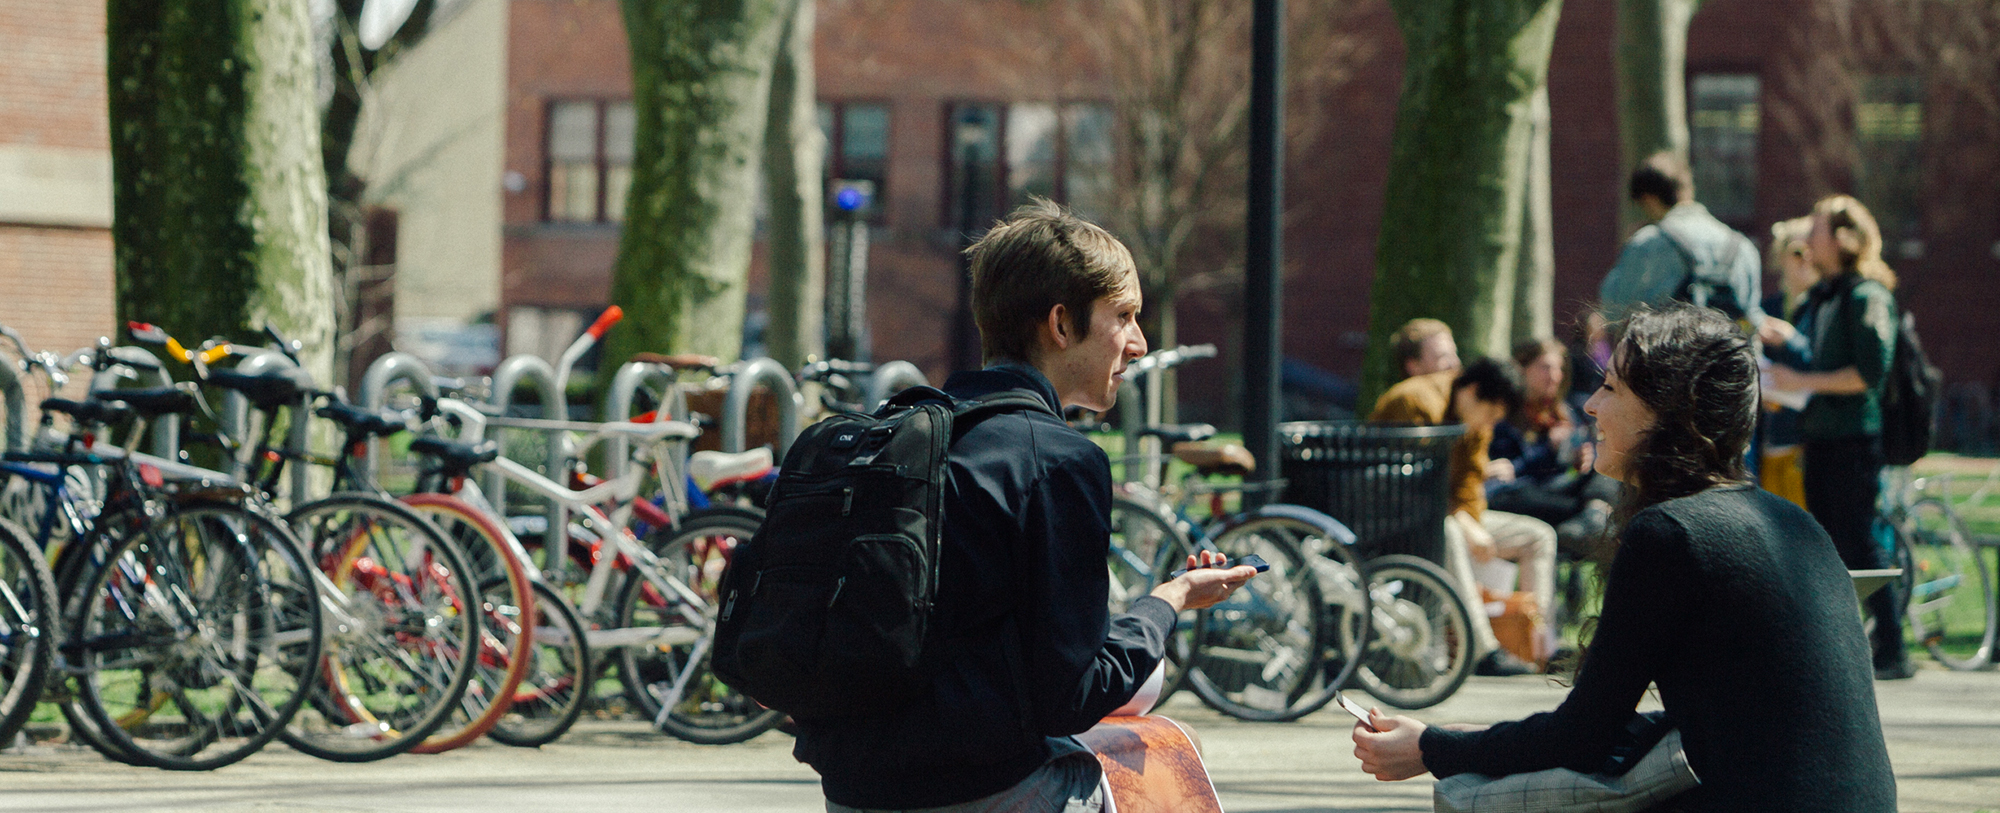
(1848, 321)
(1735, 604)
(1027, 650)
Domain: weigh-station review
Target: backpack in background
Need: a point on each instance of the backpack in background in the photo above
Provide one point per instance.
(1707, 285)
(1909, 398)
(826, 611)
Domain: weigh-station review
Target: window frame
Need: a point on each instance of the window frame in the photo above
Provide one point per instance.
(835, 160)
(600, 157)
(1003, 168)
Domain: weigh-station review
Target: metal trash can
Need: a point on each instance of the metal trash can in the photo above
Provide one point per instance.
(1389, 484)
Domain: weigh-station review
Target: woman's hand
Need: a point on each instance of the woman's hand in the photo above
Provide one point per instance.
(1786, 378)
(1775, 331)
(1203, 586)
(1391, 752)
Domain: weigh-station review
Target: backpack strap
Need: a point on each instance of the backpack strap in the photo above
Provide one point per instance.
(1699, 287)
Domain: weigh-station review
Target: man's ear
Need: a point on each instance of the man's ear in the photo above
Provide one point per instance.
(1055, 327)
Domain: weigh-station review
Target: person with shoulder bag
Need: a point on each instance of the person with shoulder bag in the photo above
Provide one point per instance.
(1727, 598)
(1841, 352)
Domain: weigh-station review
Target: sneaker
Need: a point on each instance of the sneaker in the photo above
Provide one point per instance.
(1901, 670)
(1501, 663)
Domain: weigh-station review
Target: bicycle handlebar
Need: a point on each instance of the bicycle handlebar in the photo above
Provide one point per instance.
(1165, 359)
(605, 320)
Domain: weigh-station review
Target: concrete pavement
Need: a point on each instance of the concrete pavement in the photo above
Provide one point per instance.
(1943, 730)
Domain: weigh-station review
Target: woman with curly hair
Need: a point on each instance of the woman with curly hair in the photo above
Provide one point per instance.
(1730, 599)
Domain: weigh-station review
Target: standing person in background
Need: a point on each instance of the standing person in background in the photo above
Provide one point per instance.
(1478, 396)
(1729, 599)
(1683, 254)
(1547, 446)
(1840, 352)
(1781, 472)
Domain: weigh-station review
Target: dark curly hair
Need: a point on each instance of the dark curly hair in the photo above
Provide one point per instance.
(1697, 372)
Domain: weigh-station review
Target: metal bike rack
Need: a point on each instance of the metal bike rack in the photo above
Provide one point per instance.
(891, 378)
(618, 406)
(737, 402)
(144, 365)
(508, 377)
(374, 390)
(234, 419)
(16, 438)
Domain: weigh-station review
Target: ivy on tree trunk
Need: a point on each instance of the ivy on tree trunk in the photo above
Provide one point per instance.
(219, 218)
(1457, 190)
(701, 87)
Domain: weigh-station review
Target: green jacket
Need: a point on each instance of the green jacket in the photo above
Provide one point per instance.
(1847, 321)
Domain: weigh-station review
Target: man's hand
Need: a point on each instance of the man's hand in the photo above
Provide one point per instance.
(1203, 586)
(1391, 752)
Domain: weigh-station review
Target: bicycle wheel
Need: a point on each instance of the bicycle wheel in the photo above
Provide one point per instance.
(671, 671)
(507, 619)
(72, 569)
(402, 629)
(1951, 602)
(1145, 547)
(1343, 610)
(556, 686)
(1256, 655)
(1420, 651)
(27, 628)
(197, 638)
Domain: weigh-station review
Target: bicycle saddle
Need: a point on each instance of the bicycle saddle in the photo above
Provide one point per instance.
(457, 457)
(153, 401)
(89, 411)
(710, 469)
(268, 390)
(1216, 458)
(359, 421)
(1173, 434)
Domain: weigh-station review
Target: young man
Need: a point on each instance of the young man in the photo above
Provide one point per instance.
(1026, 654)
(1478, 396)
(1424, 346)
(1653, 267)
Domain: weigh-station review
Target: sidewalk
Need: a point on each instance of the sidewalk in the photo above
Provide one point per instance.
(1943, 730)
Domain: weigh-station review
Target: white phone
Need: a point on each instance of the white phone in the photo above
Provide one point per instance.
(1354, 709)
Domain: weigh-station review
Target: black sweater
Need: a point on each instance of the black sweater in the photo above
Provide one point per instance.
(1734, 602)
(1030, 650)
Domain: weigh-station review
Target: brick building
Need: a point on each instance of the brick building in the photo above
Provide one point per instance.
(55, 175)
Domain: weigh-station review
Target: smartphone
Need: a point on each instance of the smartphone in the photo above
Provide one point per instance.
(1250, 559)
(1354, 709)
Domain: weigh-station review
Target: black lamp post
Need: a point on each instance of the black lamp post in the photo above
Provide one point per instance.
(1263, 310)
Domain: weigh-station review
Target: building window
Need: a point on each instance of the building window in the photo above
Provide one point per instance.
(1889, 130)
(1722, 129)
(589, 160)
(1001, 155)
(857, 145)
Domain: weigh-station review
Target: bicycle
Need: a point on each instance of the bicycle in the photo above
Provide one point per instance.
(1949, 593)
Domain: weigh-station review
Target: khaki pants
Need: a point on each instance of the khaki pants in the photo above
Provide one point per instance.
(1523, 540)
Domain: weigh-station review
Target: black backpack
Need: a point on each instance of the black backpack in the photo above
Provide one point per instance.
(1909, 398)
(826, 611)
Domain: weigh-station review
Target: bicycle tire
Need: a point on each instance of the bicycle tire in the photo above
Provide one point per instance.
(1145, 547)
(28, 628)
(398, 658)
(198, 637)
(1950, 603)
(71, 567)
(1256, 653)
(1420, 650)
(556, 686)
(1343, 616)
(707, 711)
(507, 619)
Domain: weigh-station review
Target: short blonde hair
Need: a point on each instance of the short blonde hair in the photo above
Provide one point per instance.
(1041, 256)
(1787, 237)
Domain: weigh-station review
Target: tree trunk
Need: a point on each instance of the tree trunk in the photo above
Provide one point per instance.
(701, 83)
(220, 220)
(1651, 52)
(1452, 218)
(793, 152)
(1534, 284)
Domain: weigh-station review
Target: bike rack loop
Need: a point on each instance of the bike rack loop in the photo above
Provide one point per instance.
(891, 378)
(167, 430)
(388, 369)
(618, 406)
(10, 386)
(542, 375)
(234, 420)
(737, 402)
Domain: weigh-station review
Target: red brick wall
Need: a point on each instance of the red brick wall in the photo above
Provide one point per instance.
(55, 283)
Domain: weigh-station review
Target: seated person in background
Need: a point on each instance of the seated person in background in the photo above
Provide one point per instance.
(1478, 396)
(1424, 346)
(1729, 599)
(1542, 454)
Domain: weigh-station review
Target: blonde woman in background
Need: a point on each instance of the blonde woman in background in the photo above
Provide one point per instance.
(1781, 473)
